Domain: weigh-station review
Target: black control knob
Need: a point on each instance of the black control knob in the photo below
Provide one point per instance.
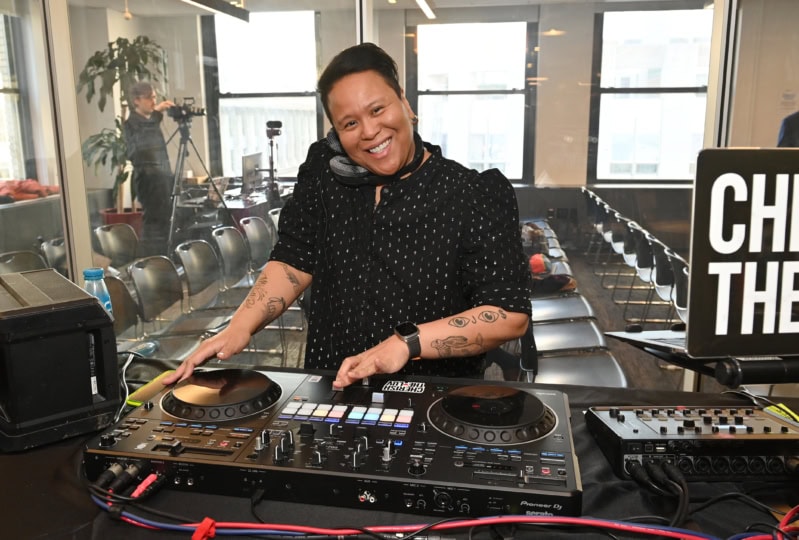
(280, 455)
(307, 429)
(335, 430)
(356, 460)
(417, 467)
(107, 440)
(287, 439)
(387, 454)
(318, 457)
(262, 441)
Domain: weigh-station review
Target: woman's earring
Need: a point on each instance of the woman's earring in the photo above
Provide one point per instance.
(415, 120)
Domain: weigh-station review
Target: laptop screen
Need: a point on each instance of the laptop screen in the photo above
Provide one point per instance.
(743, 297)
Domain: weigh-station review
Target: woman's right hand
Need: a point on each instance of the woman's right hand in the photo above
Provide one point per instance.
(225, 344)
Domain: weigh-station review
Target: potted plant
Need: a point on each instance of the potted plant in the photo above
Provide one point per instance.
(122, 63)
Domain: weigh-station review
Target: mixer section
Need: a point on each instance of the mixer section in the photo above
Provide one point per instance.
(706, 443)
(432, 447)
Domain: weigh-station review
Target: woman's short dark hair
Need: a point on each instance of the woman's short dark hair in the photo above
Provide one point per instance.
(356, 59)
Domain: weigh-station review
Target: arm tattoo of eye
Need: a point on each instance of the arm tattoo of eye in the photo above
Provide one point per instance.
(492, 316)
(460, 322)
(457, 346)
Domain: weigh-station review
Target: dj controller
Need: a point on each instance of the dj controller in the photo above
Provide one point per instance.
(441, 447)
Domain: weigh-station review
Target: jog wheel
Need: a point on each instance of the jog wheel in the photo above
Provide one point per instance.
(496, 415)
(221, 395)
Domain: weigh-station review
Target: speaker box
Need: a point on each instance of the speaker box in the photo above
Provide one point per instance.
(58, 361)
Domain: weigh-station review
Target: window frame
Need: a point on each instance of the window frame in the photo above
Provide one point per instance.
(598, 91)
(412, 91)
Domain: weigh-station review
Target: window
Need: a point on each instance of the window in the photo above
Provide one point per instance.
(12, 155)
(648, 116)
(473, 103)
(262, 79)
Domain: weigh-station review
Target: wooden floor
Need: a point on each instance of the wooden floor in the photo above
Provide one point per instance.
(642, 369)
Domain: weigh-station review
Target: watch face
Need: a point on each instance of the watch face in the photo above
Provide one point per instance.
(406, 329)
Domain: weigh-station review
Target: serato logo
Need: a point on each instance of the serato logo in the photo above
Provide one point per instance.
(404, 387)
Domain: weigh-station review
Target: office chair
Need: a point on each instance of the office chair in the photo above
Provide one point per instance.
(662, 276)
(160, 300)
(118, 242)
(55, 253)
(261, 238)
(21, 261)
(679, 293)
(204, 282)
(127, 328)
(235, 257)
(523, 359)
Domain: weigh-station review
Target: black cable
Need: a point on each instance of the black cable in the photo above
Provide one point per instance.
(638, 473)
(736, 495)
(675, 475)
(773, 529)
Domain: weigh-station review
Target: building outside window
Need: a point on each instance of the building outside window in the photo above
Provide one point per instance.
(472, 103)
(263, 78)
(649, 112)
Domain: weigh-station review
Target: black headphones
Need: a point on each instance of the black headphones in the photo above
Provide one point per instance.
(351, 174)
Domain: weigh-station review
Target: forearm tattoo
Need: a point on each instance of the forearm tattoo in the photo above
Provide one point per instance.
(487, 316)
(273, 306)
(457, 346)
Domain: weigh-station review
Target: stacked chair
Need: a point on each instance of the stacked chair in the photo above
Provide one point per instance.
(563, 344)
(647, 277)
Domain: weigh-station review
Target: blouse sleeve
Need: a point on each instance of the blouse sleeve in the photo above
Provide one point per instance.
(301, 217)
(493, 264)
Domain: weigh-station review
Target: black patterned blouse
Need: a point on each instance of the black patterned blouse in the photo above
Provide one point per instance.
(441, 241)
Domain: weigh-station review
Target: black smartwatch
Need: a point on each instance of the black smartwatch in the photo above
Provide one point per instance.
(409, 333)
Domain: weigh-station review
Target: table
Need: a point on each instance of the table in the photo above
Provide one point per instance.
(44, 494)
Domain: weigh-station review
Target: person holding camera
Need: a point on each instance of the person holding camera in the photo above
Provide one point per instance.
(416, 261)
(152, 171)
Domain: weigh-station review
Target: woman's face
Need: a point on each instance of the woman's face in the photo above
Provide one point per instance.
(372, 122)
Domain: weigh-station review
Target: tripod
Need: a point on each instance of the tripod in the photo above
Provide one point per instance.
(184, 128)
(273, 191)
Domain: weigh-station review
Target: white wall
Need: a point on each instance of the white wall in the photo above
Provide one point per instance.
(562, 111)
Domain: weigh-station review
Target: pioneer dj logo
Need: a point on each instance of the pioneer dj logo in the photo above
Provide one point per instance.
(404, 387)
(540, 509)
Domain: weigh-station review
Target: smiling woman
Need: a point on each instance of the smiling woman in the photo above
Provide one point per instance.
(416, 258)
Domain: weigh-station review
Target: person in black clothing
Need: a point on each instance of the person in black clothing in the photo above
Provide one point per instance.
(152, 172)
(789, 131)
(412, 255)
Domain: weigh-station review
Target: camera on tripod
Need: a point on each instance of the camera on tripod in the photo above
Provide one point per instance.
(184, 111)
(273, 128)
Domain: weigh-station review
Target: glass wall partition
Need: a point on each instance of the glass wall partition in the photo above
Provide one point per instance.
(31, 205)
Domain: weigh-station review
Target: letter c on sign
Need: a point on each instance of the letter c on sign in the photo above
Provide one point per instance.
(717, 203)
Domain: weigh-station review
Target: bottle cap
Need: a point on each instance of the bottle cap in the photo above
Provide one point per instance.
(93, 273)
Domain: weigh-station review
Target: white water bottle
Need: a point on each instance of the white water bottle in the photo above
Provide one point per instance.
(95, 286)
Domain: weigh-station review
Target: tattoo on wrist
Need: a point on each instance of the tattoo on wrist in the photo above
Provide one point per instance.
(457, 346)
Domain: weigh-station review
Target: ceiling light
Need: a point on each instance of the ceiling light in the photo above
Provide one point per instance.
(220, 7)
(392, 1)
(553, 32)
(128, 15)
(425, 9)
